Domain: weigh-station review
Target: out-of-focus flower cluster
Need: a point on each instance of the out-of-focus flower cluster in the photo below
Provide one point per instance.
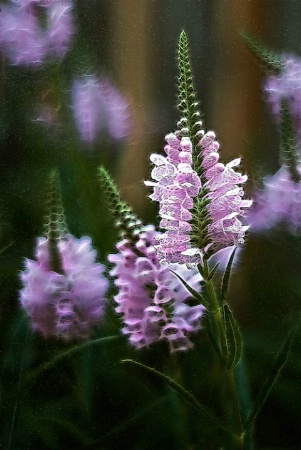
(22, 37)
(98, 105)
(279, 202)
(68, 304)
(286, 86)
(151, 298)
(177, 186)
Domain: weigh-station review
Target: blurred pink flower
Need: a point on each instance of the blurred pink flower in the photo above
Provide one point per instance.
(65, 305)
(97, 105)
(22, 37)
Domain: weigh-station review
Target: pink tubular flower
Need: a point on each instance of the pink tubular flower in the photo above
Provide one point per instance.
(64, 305)
(177, 186)
(151, 298)
(278, 202)
(286, 86)
(97, 105)
(226, 205)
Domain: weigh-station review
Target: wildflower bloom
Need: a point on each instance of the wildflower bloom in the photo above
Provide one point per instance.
(98, 105)
(279, 202)
(286, 85)
(25, 41)
(67, 304)
(60, 27)
(225, 193)
(177, 185)
(151, 298)
(21, 37)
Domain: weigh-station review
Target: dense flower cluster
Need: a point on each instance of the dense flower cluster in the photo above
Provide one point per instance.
(151, 298)
(278, 202)
(286, 86)
(23, 38)
(98, 105)
(67, 304)
(176, 186)
(226, 205)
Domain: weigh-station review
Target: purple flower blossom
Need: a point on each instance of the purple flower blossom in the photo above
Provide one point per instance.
(176, 187)
(278, 202)
(68, 304)
(226, 205)
(151, 298)
(60, 28)
(286, 86)
(22, 37)
(86, 107)
(97, 105)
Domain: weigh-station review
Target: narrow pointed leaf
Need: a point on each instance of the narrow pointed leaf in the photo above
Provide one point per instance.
(226, 278)
(213, 271)
(275, 371)
(233, 339)
(194, 293)
(180, 390)
(61, 356)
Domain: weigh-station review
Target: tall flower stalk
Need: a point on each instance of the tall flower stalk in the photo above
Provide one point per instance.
(202, 210)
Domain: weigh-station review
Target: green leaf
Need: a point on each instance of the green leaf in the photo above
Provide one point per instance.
(181, 391)
(134, 418)
(226, 278)
(213, 271)
(49, 364)
(275, 371)
(269, 59)
(194, 293)
(233, 339)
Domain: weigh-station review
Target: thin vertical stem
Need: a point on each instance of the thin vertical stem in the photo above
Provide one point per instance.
(231, 405)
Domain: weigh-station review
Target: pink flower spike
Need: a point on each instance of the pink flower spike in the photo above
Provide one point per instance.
(151, 298)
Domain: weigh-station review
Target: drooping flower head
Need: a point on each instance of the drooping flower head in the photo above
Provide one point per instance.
(64, 287)
(200, 199)
(151, 299)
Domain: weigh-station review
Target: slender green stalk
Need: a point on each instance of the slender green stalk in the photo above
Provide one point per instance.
(231, 403)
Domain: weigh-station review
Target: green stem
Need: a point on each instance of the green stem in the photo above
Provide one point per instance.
(231, 403)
